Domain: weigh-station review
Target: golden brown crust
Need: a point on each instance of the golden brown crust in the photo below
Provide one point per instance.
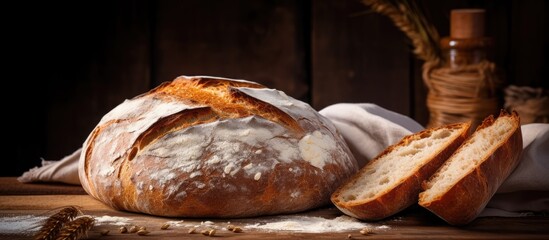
(406, 193)
(212, 147)
(223, 96)
(462, 203)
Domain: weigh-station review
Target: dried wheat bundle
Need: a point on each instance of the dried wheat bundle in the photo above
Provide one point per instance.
(76, 229)
(411, 20)
(55, 222)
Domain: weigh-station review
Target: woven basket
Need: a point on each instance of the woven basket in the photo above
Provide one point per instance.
(468, 93)
(532, 104)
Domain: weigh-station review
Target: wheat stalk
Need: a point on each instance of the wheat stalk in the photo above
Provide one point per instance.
(409, 18)
(76, 228)
(55, 222)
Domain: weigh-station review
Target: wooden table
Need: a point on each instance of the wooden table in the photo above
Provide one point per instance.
(33, 202)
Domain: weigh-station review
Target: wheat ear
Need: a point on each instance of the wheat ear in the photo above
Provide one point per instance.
(76, 228)
(409, 18)
(55, 222)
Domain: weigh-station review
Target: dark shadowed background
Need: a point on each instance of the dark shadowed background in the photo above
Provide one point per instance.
(69, 63)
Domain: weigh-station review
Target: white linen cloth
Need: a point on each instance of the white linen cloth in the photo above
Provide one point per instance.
(64, 170)
(368, 129)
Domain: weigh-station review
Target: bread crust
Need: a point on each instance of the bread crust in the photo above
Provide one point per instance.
(462, 203)
(214, 147)
(405, 194)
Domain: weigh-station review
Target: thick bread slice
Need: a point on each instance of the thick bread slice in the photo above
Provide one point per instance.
(464, 184)
(392, 181)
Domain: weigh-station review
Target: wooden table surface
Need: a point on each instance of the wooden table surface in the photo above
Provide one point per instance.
(31, 203)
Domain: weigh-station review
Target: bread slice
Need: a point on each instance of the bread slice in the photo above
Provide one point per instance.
(464, 184)
(392, 181)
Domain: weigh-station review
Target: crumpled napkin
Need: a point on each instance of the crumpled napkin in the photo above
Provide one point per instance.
(368, 129)
(64, 170)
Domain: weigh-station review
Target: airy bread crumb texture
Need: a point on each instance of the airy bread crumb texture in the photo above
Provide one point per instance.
(401, 162)
(468, 157)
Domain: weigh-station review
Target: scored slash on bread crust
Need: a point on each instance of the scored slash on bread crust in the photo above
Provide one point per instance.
(225, 99)
(392, 181)
(464, 184)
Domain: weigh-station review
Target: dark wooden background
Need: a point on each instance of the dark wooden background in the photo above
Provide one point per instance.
(69, 63)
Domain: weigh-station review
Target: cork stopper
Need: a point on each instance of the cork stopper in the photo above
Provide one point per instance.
(467, 23)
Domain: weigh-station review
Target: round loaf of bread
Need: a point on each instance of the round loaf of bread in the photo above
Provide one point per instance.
(214, 147)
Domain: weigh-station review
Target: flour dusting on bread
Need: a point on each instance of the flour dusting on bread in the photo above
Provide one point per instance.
(177, 149)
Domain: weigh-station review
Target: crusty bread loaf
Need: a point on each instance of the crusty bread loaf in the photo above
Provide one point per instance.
(464, 184)
(214, 147)
(392, 181)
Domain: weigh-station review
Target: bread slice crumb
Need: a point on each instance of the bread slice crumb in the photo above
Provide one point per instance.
(464, 184)
(392, 181)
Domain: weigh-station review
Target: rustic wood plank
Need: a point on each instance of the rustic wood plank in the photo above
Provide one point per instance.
(10, 186)
(77, 60)
(107, 61)
(414, 223)
(261, 41)
(528, 60)
(49, 202)
(358, 56)
(71, 72)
